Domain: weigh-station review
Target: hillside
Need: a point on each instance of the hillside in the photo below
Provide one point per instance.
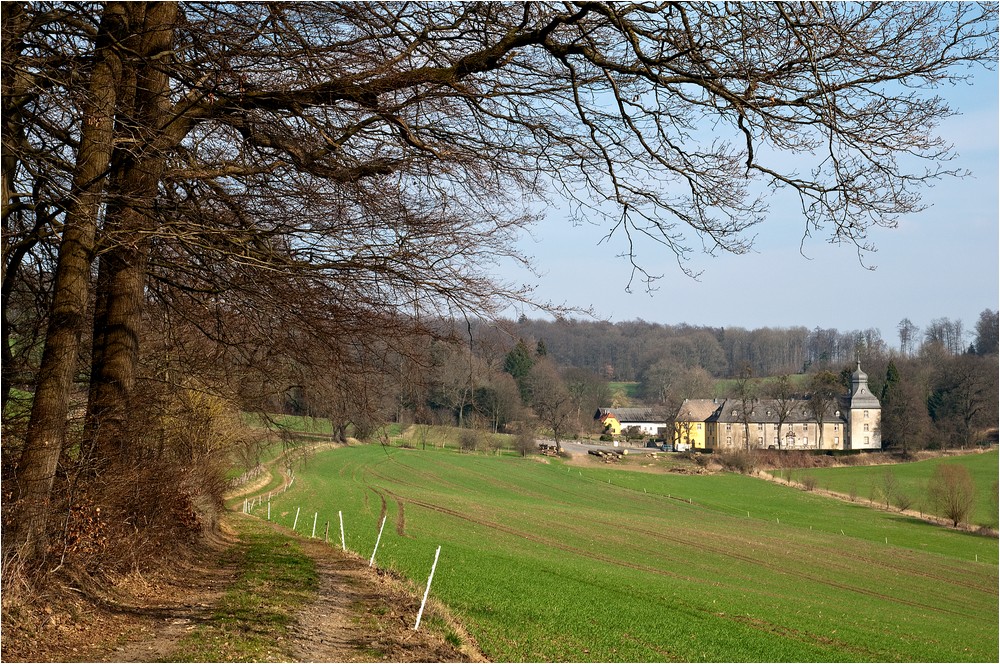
(546, 562)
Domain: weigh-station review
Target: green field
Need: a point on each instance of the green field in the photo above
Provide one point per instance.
(866, 482)
(547, 562)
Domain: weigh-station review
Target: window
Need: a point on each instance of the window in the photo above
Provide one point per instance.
(729, 441)
(866, 414)
(836, 441)
(729, 427)
(760, 441)
(836, 427)
(699, 426)
(866, 426)
(760, 427)
(866, 440)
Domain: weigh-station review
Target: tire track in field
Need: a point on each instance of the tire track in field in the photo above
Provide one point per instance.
(757, 623)
(871, 561)
(532, 537)
(699, 544)
(774, 567)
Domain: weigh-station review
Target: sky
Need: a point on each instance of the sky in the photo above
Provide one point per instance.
(939, 263)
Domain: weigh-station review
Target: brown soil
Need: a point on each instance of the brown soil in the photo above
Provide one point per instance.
(136, 617)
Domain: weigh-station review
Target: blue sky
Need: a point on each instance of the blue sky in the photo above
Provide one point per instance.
(942, 262)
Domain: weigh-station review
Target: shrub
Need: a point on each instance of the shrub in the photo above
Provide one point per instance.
(738, 461)
(469, 440)
(952, 492)
(809, 482)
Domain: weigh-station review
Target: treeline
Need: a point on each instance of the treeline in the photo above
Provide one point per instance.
(624, 351)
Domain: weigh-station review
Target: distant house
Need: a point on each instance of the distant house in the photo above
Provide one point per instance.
(650, 421)
(852, 423)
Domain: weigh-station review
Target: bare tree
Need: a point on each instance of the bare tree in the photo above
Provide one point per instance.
(907, 336)
(824, 388)
(952, 492)
(746, 394)
(551, 401)
(783, 398)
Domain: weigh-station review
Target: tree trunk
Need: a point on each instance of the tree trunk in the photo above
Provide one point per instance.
(122, 272)
(47, 427)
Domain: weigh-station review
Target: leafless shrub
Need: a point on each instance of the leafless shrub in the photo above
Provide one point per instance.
(809, 482)
(470, 440)
(952, 492)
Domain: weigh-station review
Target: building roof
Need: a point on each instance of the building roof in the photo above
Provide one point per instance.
(624, 415)
(697, 410)
(766, 411)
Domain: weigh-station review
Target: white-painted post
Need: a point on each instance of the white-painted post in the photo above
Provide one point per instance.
(268, 510)
(343, 546)
(428, 589)
(377, 540)
(296, 522)
(315, 514)
(326, 533)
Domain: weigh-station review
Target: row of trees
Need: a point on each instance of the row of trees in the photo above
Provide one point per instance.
(209, 205)
(627, 351)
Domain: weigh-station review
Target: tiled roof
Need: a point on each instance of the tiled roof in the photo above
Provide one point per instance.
(697, 410)
(624, 415)
(766, 411)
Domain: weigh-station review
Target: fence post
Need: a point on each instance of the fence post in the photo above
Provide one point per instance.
(343, 547)
(428, 589)
(377, 540)
(296, 522)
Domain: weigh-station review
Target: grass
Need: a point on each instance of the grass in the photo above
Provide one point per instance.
(548, 562)
(630, 389)
(866, 481)
(274, 579)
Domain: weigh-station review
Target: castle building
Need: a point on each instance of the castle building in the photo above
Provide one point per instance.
(850, 423)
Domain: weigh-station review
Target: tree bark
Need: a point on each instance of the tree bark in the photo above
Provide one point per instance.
(47, 427)
(129, 222)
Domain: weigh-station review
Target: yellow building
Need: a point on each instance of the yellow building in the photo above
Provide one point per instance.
(692, 422)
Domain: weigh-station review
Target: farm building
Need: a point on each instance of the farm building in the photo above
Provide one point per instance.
(650, 421)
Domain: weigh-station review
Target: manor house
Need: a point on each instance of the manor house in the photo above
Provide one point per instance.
(850, 423)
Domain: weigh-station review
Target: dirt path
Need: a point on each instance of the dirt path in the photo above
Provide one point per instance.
(174, 608)
(363, 615)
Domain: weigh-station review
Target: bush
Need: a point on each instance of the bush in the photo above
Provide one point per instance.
(738, 461)
(809, 482)
(469, 440)
(952, 492)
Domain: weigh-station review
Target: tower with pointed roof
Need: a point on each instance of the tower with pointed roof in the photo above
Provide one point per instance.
(864, 414)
